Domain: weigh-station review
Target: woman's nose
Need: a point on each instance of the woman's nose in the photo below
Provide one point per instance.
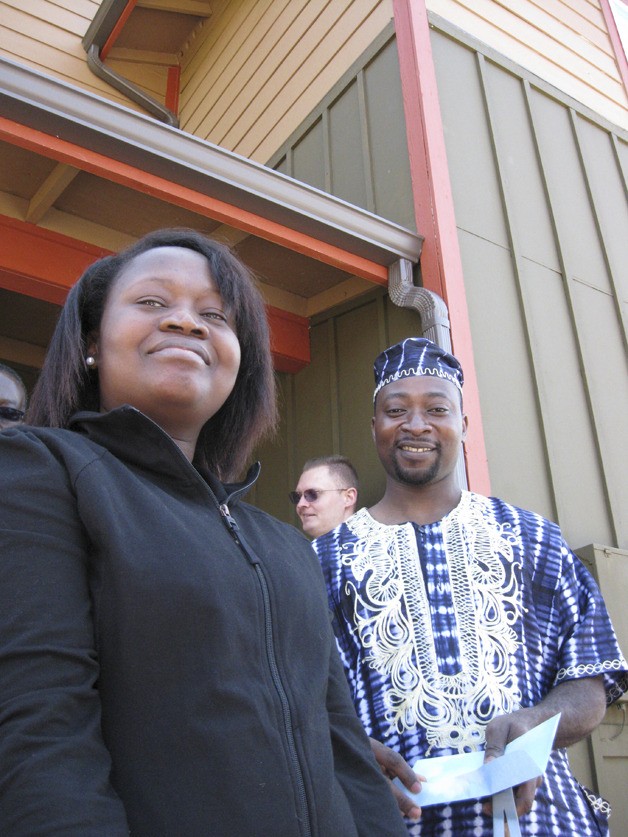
(184, 320)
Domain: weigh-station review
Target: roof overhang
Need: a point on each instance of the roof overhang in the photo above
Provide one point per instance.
(52, 107)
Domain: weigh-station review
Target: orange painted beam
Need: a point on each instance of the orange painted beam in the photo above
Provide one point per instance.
(44, 265)
(173, 193)
(173, 86)
(289, 340)
(441, 263)
(41, 263)
(115, 32)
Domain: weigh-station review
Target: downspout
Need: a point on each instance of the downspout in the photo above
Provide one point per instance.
(434, 317)
(100, 36)
(128, 88)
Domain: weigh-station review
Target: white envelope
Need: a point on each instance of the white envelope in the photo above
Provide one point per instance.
(465, 776)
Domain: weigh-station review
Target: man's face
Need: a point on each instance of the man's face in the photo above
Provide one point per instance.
(418, 428)
(333, 504)
(12, 396)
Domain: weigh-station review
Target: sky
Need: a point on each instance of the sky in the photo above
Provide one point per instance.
(620, 11)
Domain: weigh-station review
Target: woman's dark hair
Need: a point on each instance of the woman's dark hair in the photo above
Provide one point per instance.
(66, 384)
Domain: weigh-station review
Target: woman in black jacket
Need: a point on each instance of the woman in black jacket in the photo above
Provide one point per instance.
(167, 665)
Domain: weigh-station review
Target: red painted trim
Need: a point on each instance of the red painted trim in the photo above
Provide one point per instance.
(158, 187)
(40, 263)
(618, 47)
(441, 263)
(172, 89)
(115, 32)
(289, 340)
(44, 265)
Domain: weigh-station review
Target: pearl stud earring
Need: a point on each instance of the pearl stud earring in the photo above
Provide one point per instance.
(90, 361)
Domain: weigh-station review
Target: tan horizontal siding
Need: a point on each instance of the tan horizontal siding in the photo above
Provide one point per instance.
(565, 43)
(47, 36)
(264, 65)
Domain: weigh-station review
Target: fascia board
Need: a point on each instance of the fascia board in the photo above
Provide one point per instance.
(56, 108)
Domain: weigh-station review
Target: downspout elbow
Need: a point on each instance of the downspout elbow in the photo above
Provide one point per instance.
(129, 89)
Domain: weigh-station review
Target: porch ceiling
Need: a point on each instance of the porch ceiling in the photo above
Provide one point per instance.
(84, 166)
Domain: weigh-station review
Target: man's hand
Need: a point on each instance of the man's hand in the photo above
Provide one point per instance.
(395, 766)
(501, 731)
(582, 704)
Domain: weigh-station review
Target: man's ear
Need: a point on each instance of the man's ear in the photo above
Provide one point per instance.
(465, 426)
(373, 428)
(351, 497)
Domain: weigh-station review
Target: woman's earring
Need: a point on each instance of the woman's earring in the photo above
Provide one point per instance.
(90, 361)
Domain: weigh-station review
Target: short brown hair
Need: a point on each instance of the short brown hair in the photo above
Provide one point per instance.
(339, 466)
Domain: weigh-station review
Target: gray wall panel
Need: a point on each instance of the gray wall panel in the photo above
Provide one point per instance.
(565, 410)
(357, 149)
(475, 186)
(514, 437)
(347, 170)
(578, 238)
(525, 199)
(388, 149)
(557, 278)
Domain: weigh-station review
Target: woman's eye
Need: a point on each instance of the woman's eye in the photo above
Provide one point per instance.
(215, 315)
(152, 303)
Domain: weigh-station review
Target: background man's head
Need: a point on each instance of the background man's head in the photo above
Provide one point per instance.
(326, 494)
(418, 424)
(12, 397)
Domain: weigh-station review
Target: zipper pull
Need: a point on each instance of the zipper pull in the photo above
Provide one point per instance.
(234, 529)
(224, 511)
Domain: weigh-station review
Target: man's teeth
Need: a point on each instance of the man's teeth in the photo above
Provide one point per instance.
(414, 449)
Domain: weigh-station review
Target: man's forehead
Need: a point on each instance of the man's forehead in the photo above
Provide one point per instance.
(424, 386)
(315, 477)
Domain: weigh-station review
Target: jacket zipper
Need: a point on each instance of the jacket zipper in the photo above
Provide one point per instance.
(272, 661)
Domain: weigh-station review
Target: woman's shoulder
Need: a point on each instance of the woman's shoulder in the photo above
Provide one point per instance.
(266, 525)
(27, 448)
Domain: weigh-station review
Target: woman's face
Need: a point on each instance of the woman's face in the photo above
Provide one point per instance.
(166, 344)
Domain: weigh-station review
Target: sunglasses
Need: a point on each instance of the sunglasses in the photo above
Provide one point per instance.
(310, 494)
(11, 414)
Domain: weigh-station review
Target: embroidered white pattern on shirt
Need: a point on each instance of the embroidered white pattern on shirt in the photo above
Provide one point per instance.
(392, 617)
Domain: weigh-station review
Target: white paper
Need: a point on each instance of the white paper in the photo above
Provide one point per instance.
(465, 776)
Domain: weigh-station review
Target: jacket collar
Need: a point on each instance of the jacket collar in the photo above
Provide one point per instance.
(132, 437)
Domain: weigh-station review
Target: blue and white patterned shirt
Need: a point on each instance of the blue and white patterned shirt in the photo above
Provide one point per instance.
(443, 626)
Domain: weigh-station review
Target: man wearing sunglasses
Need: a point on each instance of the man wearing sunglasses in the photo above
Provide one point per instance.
(12, 397)
(326, 494)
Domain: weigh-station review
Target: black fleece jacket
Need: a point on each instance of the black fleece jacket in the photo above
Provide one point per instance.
(161, 674)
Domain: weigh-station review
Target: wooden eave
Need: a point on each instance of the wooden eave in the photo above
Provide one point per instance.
(309, 249)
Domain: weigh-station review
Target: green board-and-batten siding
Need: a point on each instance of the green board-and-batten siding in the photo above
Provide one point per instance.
(539, 187)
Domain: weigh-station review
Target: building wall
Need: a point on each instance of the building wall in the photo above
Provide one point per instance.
(539, 189)
(353, 142)
(564, 42)
(255, 74)
(46, 36)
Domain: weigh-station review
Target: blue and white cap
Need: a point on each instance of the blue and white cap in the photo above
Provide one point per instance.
(412, 357)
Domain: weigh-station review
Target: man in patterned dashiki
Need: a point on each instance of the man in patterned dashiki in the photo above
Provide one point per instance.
(462, 621)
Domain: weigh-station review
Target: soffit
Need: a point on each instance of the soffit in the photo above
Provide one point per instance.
(46, 184)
